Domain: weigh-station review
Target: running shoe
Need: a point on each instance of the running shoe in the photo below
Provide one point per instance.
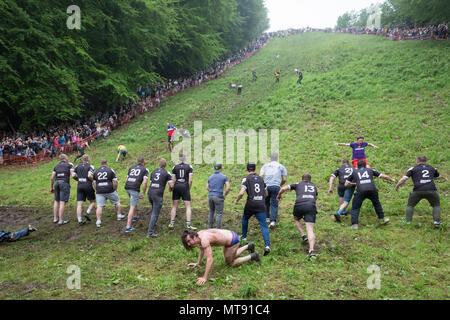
(266, 250)
(86, 215)
(152, 235)
(191, 228)
(171, 226)
(384, 221)
(135, 218)
(31, 228)
(354, 226)
(338, 217)
(130, 229)
(255, 257)
(251, 247)
(305, 238)
(272, 225)
(120, 217)
(82, 222)
(311, 253)
(437, 224)
(63, 222)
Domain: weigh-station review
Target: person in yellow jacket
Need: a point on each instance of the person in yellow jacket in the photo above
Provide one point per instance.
(121, 150)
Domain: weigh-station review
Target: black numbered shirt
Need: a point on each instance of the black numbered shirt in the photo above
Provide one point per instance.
(136, 175)
(63, 171)
(181, 172)
(306, 193)
(343, 173)
(158, 180)
(364, 179)
(82, 171)
(104, 178)
(422, 176)
(256, 190)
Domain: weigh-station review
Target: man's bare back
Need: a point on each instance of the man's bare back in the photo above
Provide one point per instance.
(215, 237)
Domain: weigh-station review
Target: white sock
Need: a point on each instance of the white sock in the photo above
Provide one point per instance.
(88, 211)
(99, 222)
(79, 219)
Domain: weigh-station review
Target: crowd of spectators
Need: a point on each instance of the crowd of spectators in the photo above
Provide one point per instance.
(437, 32)
(30, 147)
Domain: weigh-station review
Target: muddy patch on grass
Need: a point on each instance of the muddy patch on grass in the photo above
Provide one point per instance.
(18, 217)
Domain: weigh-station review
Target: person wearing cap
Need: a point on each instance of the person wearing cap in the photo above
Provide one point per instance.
(216, 197)
(256, 192)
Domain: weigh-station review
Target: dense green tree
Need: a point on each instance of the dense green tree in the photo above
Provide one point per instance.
(49, 73)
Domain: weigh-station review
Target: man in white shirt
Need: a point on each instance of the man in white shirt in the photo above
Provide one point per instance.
(275, 175)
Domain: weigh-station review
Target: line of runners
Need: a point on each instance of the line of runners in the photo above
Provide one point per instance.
(264, 191)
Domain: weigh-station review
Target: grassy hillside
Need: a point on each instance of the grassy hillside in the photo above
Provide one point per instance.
(396, 94)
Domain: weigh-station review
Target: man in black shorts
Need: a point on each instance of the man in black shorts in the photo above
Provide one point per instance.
(304, 208)
(84, 174)
(158, 180)
(60, 185)
(424, 188)
(365, 189)
(345, 194)
(182, 174)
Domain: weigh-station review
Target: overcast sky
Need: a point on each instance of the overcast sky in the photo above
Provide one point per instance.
(285, 14)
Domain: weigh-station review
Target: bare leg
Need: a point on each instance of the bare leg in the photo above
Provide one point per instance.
(173, 212)
(99, 213)
(62, 206)
(118, 209)
(131, 214)
(91, 205)
(55, 210)
(341, 200)
(240, 250)
(231, 253)
(311, 236)
(79, 209)
(298, 223)
(343, 206)
(188, 210)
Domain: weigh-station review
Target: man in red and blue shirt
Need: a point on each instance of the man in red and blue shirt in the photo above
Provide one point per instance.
(358, 150)
(170, 131)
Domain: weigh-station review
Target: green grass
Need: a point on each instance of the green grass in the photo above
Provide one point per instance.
(396, 94)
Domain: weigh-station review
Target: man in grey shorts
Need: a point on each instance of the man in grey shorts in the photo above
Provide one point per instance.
(215, 185)
(105, 185)
(137, 175)
(424, 188)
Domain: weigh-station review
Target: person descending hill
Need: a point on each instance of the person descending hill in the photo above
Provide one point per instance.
(121, 150)
(277, 76)
(358, 150)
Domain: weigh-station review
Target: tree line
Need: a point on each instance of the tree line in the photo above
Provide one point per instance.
(399, 13)
(50, 73)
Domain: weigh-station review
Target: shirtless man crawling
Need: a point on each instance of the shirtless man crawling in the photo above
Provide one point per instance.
(229, 240)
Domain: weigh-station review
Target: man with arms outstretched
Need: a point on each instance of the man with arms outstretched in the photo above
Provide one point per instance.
(358, 150)
(227, 239)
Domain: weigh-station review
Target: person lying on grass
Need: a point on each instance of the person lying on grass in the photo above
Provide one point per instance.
(229, 240)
